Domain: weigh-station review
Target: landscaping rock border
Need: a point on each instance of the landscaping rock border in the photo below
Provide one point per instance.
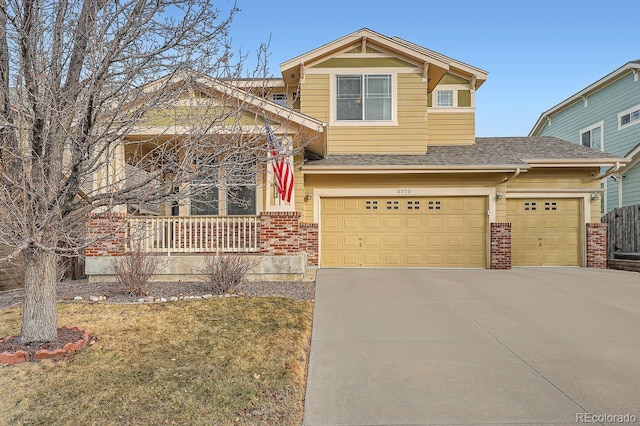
(69, 348)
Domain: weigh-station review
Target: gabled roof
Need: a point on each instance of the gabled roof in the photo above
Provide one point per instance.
(594, 87)
(261, 104)
(395, 45)
(487, 154)
(233, 88)
(633, 158)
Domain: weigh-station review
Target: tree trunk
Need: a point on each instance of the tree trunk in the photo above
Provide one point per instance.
(39, 306)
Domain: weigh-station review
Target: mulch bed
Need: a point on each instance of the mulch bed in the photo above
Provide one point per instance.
(65, 335)
(68, 342)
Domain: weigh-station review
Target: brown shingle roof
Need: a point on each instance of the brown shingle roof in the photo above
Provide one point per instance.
(500, 152)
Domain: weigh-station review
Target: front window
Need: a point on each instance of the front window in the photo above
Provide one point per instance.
(241, 182)
(235, 182)
(205, 198)
(364, 97)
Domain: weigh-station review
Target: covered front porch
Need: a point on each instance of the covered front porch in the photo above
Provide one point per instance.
(281, 246)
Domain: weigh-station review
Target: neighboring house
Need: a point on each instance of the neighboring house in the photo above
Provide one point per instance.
(604, 116)
(394, 175)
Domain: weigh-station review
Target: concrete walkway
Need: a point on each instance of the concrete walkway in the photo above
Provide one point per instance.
(527, 346)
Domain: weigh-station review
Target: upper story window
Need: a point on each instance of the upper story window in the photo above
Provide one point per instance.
(444, 98)
(629, 117)
(365, 97)
(281, 99)
(591, 137)
(449, 96)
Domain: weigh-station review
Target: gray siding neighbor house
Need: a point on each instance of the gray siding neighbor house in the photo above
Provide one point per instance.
(606, 116)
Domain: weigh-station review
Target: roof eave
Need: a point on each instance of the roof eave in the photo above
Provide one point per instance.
(575, 162)
(609, 78)
(417, 169)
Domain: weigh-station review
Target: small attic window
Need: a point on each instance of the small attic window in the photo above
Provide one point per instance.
(444, 98)
(281, 99)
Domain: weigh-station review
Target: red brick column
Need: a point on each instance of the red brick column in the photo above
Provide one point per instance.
(106, 234)
(501, 245)
(309, 242)
(282, 233)
(279, 233)
(597, 245)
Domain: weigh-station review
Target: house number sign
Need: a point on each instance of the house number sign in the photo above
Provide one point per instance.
(403, 191)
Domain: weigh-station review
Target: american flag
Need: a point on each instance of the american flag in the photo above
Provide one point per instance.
(281, 168)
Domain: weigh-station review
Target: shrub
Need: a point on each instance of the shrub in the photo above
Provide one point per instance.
(134, 271)
(221, 273)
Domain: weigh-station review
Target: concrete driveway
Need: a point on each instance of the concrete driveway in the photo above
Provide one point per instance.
(531, 345)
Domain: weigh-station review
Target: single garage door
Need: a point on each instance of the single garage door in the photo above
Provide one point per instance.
(403, 232)
(545, 232)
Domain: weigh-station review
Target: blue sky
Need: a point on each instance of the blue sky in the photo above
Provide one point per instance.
(537, 53)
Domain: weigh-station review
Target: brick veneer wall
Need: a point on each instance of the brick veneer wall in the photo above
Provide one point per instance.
(109, 231)
(501, 245)
(597, 245)
(624, 265)
(309, 244)
(282, 233)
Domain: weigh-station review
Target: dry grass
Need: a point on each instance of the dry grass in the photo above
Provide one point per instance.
(220, 361)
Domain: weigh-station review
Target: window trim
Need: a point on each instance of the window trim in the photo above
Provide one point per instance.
(223, 195)
(628, 112)
(594, 126)
(455, 88)
(360, 123)
(454, 99)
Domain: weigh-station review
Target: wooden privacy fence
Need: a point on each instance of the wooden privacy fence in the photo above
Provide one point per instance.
(623, 230)
(195, 234)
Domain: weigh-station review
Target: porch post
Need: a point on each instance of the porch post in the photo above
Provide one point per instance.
(110, 175)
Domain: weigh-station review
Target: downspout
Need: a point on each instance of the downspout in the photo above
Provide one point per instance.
(619, 191)
(610, 172)
(515, 175)
(325, 138)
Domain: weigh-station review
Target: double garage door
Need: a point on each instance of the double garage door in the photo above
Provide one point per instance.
(445, 232)
(404, 232)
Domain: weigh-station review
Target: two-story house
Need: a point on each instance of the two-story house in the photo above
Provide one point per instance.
(394, 176)
(604, 116)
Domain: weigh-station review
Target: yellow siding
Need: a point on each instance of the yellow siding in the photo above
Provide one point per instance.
(337, 182)
(408, 137)
(549, 180)
(555, 178)
(315, 96)
(452, 128)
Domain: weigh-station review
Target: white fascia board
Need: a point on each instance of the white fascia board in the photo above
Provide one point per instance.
(333, 170)
(581, 162)
(604, 81)
(371, 35)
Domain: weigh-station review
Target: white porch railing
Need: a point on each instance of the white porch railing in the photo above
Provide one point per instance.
(194, 234)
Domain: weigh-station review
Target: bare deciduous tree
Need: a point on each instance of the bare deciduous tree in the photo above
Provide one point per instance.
(84, 87)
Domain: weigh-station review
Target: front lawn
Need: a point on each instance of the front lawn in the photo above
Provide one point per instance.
(220, 361)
